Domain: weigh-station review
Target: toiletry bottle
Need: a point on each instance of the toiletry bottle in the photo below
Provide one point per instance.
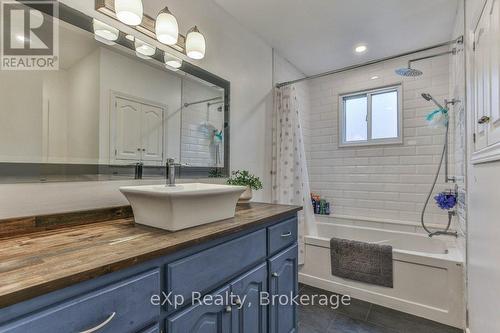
(322, 207)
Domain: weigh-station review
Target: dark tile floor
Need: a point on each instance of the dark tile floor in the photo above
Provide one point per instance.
(361, 317)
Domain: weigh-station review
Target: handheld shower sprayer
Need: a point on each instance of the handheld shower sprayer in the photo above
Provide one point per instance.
(428, 98)
(444, 157)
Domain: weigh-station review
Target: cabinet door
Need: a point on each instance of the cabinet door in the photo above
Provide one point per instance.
(249, 316)
(152, 133)
(203, 318)
(494, 21)
(283, 280)
(128, 129)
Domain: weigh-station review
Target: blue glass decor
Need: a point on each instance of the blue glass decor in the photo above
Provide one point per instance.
(446, 200)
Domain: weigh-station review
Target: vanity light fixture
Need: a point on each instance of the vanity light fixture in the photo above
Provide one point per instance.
(143, 49)
(166, 27)
(195, 44)
(104, 40)
(172, 62)
(129, 11)
(105, 31)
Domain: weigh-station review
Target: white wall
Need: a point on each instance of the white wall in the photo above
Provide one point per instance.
(233, 53)
(483, 227)
(83, 111)
(21, 123)
(388, 182)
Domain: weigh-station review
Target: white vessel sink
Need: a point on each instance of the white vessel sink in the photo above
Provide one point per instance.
(183, 205)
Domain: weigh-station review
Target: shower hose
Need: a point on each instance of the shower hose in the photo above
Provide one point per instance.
(450, 214)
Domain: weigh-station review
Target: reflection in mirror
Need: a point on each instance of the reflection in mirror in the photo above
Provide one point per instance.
(103, 112)
(202, 124)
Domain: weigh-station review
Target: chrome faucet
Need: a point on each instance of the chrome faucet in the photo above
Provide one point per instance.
(170, 171)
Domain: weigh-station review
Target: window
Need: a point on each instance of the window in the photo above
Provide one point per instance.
(371, 117)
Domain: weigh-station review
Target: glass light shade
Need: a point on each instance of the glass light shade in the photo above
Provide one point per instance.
(195, 44)
(104, 40)
(105, 31)
(172, 61)
(166, 27)
(129, 11)
(144, 48)
(142, 56)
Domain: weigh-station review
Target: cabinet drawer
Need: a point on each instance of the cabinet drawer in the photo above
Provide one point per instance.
(208, 269)
(122, 307)
(282, 235)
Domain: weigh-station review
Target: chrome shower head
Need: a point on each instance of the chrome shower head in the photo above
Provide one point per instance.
(408, 72)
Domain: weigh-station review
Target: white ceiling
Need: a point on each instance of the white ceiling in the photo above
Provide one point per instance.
(320, 35)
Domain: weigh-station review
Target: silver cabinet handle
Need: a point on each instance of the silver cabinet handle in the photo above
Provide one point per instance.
(275, 274)
(229, 309)
(483, 120)
(101, 325)
(287, 234)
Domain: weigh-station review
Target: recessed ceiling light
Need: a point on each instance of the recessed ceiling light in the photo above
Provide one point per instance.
(374, 77)
(360, 48)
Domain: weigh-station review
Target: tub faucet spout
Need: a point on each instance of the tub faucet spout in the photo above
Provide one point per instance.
(445, 233)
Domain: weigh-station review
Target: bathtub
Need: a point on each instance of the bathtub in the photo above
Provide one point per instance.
(428, 272)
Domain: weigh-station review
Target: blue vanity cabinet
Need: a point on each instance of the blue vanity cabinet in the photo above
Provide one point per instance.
(249, 315)
(257, 264)
(203, 318)
(283, 280)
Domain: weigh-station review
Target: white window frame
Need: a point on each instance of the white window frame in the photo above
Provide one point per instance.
(369, 93)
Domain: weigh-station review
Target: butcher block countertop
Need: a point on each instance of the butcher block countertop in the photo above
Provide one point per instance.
(43, 254)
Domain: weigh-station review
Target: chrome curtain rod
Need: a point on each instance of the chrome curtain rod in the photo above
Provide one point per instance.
(202, 101)
(372, 62)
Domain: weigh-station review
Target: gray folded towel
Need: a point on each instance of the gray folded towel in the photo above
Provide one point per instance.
(360, 261)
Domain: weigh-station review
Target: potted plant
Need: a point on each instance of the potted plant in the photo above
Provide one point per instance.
(244, 178)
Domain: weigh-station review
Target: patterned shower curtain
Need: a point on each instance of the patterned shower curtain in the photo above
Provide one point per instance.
(290, 183)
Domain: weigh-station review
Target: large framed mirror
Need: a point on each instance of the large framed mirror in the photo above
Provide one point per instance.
(109, 113)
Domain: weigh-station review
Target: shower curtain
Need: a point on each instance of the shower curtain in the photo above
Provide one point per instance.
(290, 179)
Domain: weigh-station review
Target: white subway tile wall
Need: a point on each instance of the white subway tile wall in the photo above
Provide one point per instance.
(389, 181)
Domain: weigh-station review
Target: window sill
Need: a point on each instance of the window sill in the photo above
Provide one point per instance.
(372, 143)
